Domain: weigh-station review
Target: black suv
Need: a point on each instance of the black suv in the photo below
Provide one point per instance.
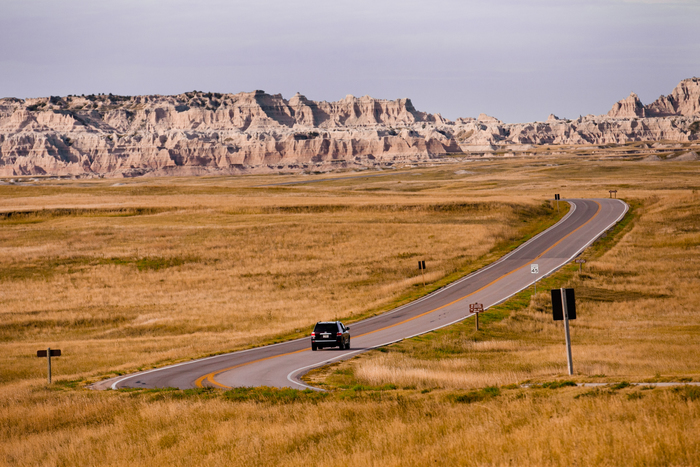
(330, 334)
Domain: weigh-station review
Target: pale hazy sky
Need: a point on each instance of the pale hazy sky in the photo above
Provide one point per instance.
(515, 60)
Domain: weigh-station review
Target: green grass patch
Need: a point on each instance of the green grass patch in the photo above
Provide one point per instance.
(481, 395)
(556, 384)
(273, 395)
(620, 385)
(49, 267)
(41, 215)
(688, 393)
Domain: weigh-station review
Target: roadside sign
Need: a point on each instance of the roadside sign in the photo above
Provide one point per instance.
(564, 309)
(476, 308)
(580, 264)
(421, 266)
(535, 268)
(557, 307)
(48, 353)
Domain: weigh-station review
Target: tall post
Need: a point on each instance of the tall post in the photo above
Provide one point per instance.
(476, 315)
(48, 358)
(566, 332)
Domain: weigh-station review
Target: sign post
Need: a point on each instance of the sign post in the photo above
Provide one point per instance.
(613, 193)
(535, 269)
(421, 266)
(556, 198)
(48, 353)
(580, 264)
(564, 309)
(476, 308)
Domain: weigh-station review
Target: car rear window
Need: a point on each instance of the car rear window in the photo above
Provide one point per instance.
(326, 327)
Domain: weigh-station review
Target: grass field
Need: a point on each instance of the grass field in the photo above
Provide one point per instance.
(155, 271)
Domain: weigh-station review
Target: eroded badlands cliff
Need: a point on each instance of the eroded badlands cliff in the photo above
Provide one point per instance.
(199, 133)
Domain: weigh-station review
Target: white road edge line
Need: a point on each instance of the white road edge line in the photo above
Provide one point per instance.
(503, 258)
(134, 375)
(298, 382)
(440, 290)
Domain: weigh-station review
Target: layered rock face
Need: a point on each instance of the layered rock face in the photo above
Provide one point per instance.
(204, 132)
(683, 101)
(200, 133)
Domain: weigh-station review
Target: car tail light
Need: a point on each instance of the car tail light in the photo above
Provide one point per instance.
(313, 334)
(339, 334)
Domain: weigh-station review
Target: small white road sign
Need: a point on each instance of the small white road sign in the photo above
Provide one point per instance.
(535, 268)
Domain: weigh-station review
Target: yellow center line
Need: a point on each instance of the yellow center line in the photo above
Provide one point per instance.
(209, 377)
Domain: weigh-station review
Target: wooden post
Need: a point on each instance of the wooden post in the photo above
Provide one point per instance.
(566, 332)
(476, 308)
(48, 358)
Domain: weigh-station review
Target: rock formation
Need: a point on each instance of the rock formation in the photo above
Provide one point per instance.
(628, 108)
(199, 133)
(683, 101)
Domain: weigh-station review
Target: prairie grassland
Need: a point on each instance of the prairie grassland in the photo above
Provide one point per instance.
(120, 290)
(638, 307)
(160, 270)
(628, 426)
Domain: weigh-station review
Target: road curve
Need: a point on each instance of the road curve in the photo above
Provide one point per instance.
(282, 365)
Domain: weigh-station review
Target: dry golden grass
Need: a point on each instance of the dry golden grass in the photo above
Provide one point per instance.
(396, 428)
(225, 264)
(119, 291)
(638, 309)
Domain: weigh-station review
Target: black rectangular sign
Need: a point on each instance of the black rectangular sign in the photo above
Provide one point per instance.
(421, 264)
(54, 353)
(557, 310)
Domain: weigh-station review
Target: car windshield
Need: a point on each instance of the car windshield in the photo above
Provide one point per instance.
(326, 327)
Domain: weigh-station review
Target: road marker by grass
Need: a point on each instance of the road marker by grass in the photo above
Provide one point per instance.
(564, 309)
(48, 353)
(476, 308)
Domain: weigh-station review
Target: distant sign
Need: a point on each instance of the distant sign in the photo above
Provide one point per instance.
(535, 268)
(43, 353)
(476, 308)
(557, 306)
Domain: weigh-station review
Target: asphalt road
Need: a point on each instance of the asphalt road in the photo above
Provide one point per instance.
(281, 365)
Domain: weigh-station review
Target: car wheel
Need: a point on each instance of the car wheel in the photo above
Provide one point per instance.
(347, 346)
(342, 345)
(313, 346)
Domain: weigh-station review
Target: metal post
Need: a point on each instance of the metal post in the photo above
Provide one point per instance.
(566, 332)
(476, 315)
(422, 271)
(48, 358)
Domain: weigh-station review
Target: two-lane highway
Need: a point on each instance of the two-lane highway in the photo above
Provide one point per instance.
(281, 365)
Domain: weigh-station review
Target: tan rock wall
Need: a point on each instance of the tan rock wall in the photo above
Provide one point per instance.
(254, 132)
